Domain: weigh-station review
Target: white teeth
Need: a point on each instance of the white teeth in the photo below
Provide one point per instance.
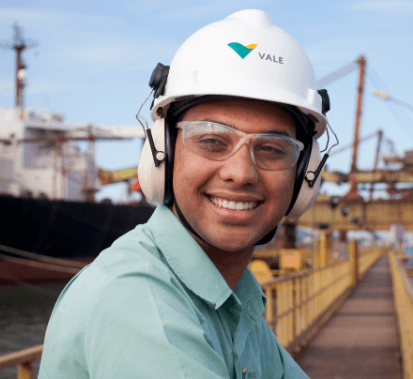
(233, 205)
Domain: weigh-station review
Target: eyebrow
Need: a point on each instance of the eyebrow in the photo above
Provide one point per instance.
(275, 131)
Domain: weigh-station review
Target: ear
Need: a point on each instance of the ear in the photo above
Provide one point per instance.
(151, 178)
(307, 195)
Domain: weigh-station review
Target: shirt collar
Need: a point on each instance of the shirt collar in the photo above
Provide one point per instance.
(187, 259)
(194, 268)
(250, 295)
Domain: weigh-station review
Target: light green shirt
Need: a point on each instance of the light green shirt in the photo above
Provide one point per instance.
(153, 305)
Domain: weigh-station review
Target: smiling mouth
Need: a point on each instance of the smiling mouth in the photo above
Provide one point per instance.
(233, 205)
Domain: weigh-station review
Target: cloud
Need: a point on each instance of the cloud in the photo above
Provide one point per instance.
(186, 10)
(40, 85)
(35, 86)
(398, 7)
(145, 6)
(46, 19)
(25, 15)
(335, 52)
(106, 52)
(93, 44)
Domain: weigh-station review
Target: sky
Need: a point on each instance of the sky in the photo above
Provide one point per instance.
(93, 60)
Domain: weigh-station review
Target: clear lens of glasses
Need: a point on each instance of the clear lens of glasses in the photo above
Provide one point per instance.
(214, 141)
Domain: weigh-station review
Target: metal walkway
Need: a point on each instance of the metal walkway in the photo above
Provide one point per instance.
(360, 341)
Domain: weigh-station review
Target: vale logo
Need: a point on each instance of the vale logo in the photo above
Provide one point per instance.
(242, 50)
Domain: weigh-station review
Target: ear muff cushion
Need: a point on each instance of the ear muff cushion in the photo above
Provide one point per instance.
(151, 178)
(307, 195)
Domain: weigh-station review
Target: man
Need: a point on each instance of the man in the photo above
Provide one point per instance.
(230, 154)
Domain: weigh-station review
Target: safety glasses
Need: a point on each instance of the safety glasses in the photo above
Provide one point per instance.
(273, 152)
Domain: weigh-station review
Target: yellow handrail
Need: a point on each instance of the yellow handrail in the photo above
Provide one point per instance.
(298, 304)
(24, 359)
(403, 300)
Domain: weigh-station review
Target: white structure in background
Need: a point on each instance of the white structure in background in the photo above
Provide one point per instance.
(396, 235)
(45, 169)
(408, 240)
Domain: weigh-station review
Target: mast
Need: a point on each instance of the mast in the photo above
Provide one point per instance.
(362, 65)
(19, 44)
(352, 194)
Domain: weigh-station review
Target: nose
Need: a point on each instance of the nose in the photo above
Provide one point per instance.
(240, 168)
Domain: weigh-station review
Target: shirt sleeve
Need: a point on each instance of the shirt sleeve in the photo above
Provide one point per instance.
(145, 326)
(275, 357)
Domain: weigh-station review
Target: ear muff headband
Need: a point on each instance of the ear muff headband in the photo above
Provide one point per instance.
(170, 140)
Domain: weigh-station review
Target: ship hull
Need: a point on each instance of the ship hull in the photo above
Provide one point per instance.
(60, 229)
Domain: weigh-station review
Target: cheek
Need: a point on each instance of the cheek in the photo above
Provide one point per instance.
(282, 186)
(190, 171)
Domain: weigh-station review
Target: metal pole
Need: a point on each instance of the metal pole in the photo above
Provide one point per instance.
(92, 193)
(18, 63)
(353, 252)
(323, 247)
(55, 168)
(362, 64)
(376, 161)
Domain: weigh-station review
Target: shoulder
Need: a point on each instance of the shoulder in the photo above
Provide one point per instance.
(128, 300)
(133, 267)
(126, 276)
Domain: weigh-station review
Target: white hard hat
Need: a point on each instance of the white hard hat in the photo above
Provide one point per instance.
(244, 55)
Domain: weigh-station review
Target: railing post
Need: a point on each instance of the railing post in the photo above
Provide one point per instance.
(325, 246)
(25, 370)
(317, 253)
(353, 252)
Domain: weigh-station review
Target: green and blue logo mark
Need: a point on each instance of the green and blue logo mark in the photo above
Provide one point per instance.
(242, 50)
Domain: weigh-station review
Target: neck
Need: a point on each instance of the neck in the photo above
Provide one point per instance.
(231, 264)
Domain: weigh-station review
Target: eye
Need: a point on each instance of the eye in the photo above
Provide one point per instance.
(212, 142)
(272, 149)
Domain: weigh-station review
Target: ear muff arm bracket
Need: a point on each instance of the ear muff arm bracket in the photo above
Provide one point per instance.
(158, 156)
(312, 176)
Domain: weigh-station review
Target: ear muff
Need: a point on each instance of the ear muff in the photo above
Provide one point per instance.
(307, 194)
(151, 178)
(158, 188)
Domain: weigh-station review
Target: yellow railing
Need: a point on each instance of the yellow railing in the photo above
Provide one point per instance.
(366, 258)
(24, 360)
(403, 300)
(298, 304)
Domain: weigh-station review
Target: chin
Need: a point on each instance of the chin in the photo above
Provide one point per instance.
(232, 244)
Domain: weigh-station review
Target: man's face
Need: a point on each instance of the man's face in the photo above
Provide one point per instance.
(199, 183)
